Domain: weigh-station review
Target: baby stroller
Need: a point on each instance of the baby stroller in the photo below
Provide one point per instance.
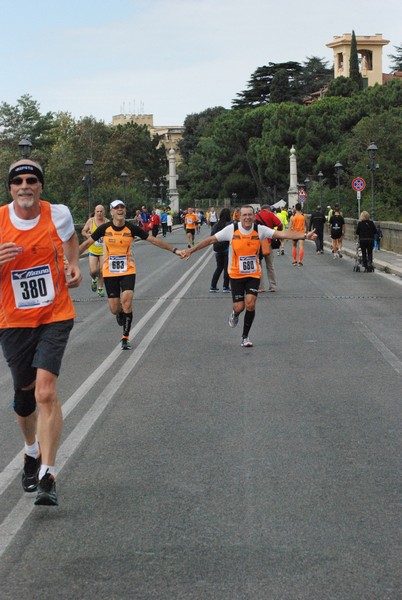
(358, 266)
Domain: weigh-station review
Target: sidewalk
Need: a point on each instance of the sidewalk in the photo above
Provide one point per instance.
(383, 260)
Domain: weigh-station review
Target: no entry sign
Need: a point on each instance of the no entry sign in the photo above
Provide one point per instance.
(358, 184)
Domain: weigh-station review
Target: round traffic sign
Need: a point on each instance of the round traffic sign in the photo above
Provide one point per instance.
(358, 184)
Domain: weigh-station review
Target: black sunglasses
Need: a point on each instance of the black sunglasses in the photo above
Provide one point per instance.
(28, 180)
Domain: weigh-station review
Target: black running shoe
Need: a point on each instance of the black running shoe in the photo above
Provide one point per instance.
(46, 495)
(30, 474)
(125, 344)
(120, 318)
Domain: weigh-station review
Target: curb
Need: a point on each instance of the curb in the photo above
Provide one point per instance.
(381, 265)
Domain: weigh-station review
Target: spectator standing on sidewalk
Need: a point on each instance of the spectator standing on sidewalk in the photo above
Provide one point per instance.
(366, 230)
(221, 250)
(212, 217)
(145, 216)
(154, 221)
(377, 238)
(164, 219)
(317, 222)
(337, 231)
(170, 215)
(282, 215)
(266, 217)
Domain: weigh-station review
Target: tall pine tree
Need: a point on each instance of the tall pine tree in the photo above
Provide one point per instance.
(396, 59)
(354, 72)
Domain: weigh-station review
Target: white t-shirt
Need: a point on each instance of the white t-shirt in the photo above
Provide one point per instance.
(61, 218)
(226, 234)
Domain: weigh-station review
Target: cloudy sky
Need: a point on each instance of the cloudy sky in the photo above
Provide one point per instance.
(169, 58)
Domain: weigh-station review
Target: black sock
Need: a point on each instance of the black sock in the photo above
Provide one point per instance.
(128, 317)
(248, 321)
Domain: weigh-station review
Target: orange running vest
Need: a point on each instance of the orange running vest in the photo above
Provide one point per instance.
(118, 259)
(244, 255)
(33, 286)
(191, 221)
(299, 223)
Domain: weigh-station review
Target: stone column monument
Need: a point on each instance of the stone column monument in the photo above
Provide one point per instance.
(173, 194)
(293, 191)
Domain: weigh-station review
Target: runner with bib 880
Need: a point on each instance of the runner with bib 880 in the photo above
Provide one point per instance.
(244, 269)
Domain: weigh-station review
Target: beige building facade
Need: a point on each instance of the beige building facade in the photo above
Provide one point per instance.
(170, 135)
(369, 49)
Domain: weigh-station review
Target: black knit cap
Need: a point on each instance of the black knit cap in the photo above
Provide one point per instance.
(25, 167)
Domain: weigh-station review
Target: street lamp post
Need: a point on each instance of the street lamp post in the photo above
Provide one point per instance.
(153, 193)
(373, 165)
(320, 176)
(338, 170)
(146, 185)
(307, 185)
(123, 179)
(161, 191)
(234, 199)
(25, 146)
(89, 163)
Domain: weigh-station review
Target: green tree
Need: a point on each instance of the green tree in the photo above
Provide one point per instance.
(224, 152)
(388, 178)
(354, 72)
(342, 86)
(283, 82)
(127, 148)
(25, 120)
(280, 90)
(396, 58)
(195, 126)
(258, 90)
(315, 76)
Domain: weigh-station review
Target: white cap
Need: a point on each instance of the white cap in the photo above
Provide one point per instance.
(117, 203)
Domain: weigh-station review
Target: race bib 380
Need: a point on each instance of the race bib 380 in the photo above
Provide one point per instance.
(33, 287)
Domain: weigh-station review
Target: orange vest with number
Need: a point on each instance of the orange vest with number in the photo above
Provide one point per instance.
(191, 221)
(298, 223)
(33, 286)
(244, 254)
(118, 260)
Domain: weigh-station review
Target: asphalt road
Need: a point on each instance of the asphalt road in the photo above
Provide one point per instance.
(191, 468)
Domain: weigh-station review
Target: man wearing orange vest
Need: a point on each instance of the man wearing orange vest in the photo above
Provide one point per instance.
(298, 224)
(36, 316)
(244, 268)
(190, 224)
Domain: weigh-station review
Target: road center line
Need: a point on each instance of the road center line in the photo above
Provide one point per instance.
(388, 356)
(17, 516)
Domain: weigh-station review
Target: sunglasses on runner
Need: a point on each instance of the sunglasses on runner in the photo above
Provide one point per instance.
(28, 180)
